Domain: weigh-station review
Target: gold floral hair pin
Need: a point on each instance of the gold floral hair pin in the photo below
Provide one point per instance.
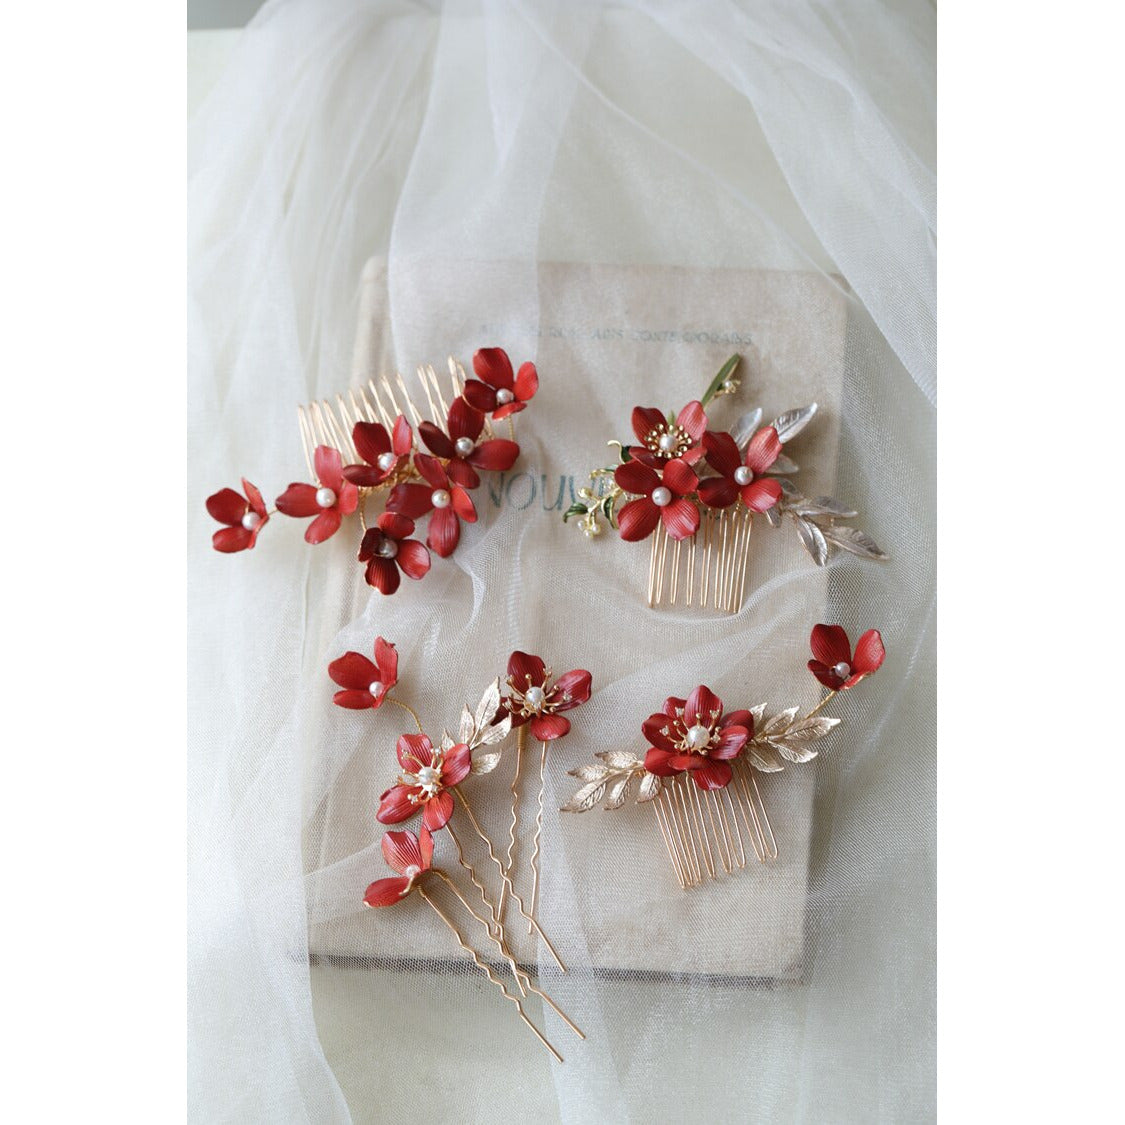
(694, 491)
(699, 774)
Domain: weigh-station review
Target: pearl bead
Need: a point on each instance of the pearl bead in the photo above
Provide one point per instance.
(386, 462)
(743, 475)
(842, 670)
(698, 736)
(464, 446)
(251, 520)
(429, 778)
(413, 871)
(662, 496)
(666, 442)
(325, 497)
(375, 688)
(440, 498)
(534, 697)
(728, 385)
(504, 396)
(387, 549)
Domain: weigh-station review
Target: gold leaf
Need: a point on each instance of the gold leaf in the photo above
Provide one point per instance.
(618, 791)
(780, 721)
(586, 798)
(589, 773)
(619, 759)
(486, 763)
(794, 752)
(468, 726)
(649, 788)
(488, 706)
(764, 757)
(447, 742)
(494, 734)
(809, 730)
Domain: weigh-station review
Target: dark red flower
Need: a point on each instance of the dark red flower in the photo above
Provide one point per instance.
(694, 735)
(244, 516)
(661, 440)
(382, 452)
(428, 775)
(334, 499)
(741, 477)
(533, 697)
(449, 502)
(661, 498)
(833, 663)
(365, 683)
(411, 856)
(501, 393)
(461, 449)
(387, 549)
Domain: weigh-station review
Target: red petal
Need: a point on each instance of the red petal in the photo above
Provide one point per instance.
(400, 850)
(232, 539)
(636, 478)
(353, 670)
(413, 558)
(703, 706)
(465, 420)
(576, 684)
(830, 645)
(462, 504)
(763, 450)
(444, 532)
(386, 659)
(869, 653)
(679, 477)
(545, 728)
(731, 742)
(386, 892)
(525, 670)
(722, 453)
(254, 495)
(396, 525)
(713, 775)
(348, 500)
(495, 456)
(458, 762)
(354, 700)
(645, 419)
(438, 810)
(410, 500)
(480, 396)
(436, 442)
(414, 751)
(761, 495)
(324, 526)
(825, 675)
(718, 492)
(739, 719)
(462, 473)
(383, 575)
(366, 476)
(395, 806)
(690, 456)
(402, 437)
(507, 409)
(494, 367)
(228, 506)
(681, 518)
(431, 470)
(653, 728)
(426, 847)
(638, 519)
(659, 762)
(674, 706)
(329, 467)
(298, 500)
(370, 440)
(687, 761)
(527, 382)
(646, 457)
(693, 419)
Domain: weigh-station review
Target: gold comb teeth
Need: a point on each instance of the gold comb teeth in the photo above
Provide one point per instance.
(694, 492)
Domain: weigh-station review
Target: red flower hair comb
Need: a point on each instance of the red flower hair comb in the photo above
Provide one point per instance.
(699, 773)
(366, 448)
(698, 489)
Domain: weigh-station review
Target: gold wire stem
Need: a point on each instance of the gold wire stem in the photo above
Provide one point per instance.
(538, 834)
(737, 833)
(722, 844)
(502, 945)
(830, 695)
(407, 708)
(483, 966)
(521, 739)
(504, 875)
(748, 518)
(669, 812)
(705, 567)
(652, 571)
(683, 819)
(658, 812)
(700, 827)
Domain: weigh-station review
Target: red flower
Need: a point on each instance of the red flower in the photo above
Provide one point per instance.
(449, 502)
(428, 775)
(661, 498)
(334, 499)
(694, 735)
(661, 440)
(532, 698)
(501, 393)
(387, 549)
(460, 448)
(365, 683)
(411, 856)
(244, 516)
(740, 477)
(833, 663)
(382, 453)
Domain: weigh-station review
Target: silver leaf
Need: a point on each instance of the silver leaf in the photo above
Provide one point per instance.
(792, 422)
(825, 506)
(649, 788)
(618, 791)
(589, 773)
(780, 721)
(810, 729)
(743, 430)
(854, 540)
(486, 763)
(774, 516)
(488, 705)
(619, 759)
(783, 466)
(468, 726)
(586, 797)
(813, 539)
(494, 734)
(790, 491)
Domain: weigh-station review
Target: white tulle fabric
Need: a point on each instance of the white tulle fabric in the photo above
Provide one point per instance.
(743, 135)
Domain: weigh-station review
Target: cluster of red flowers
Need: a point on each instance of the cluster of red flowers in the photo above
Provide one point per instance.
(434, 484)
(665, 472)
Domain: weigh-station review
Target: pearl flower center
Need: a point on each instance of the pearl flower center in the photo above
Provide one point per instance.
(662, 496)
(325, 497)
(251, 520)
(440, 498)
(743, 475)
(668, 441)
(375, 688)
(464, 446)
(843, 670)
(697, 737)
(504, 396)
(429, 779)
(386, 462)
(413, 871)
(534, 698)
(387, 549)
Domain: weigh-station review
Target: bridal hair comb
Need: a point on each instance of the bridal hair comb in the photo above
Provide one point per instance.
(699, 774)
(431, 782)
(366, 448)
(694, 492)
